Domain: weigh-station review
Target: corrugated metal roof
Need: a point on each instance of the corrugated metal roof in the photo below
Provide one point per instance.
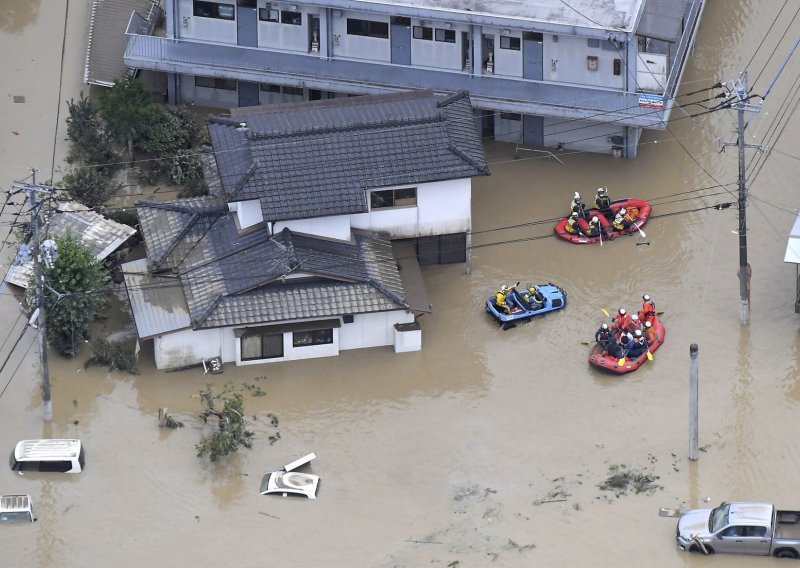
(100, 235)
(663, 19)
(319, 158)
(107, 39)
(157, 302)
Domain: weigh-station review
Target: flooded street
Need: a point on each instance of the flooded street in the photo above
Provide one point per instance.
(488, 446)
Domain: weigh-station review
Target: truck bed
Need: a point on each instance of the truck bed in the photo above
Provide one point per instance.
(787, 524)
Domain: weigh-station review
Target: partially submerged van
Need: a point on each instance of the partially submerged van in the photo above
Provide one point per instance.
(16, 508)
(63, 456)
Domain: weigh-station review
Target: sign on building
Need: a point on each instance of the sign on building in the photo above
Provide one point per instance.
(651, 101)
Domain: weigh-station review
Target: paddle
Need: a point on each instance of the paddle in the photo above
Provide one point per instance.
(649, 355)
(605, 311)
(621, 362)
(601, 237)
(638, 228)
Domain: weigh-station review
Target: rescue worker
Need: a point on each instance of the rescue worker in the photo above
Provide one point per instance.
(604, 337)
(649, 333)
(500, 298)
(622, 220)
(577, 206)
(602, 201)
(638, 345)
(533, 298)
(594, 228)
(572, 224)
(635, 325)
(622, 321)
(648, 311)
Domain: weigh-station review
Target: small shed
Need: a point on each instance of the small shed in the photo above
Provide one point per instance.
(793, 255)
(101, 235)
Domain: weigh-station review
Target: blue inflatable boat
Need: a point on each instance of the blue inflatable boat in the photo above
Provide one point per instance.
(522, 306)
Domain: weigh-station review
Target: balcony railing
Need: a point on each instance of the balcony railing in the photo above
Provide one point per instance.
(506, 94)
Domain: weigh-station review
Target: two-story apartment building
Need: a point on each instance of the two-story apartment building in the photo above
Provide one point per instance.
(584, 75)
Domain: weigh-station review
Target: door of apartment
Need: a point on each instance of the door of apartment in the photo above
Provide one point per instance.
(401, 40)
(248, 94)
(532, 56)
(247, 23)
(532, 130)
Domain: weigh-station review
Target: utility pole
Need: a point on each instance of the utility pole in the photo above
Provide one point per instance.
(32, 189)
(741, 103)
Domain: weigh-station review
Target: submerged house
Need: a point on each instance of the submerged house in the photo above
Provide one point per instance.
(310, 239)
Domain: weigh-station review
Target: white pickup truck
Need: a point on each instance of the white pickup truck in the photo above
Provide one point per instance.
(758, 529)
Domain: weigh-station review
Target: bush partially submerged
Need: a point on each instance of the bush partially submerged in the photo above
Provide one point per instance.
(113, 355)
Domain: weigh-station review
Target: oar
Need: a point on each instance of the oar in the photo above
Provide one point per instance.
(639, 228)
(605, 311)
(621, 362)
(601, 237)
(649, 355)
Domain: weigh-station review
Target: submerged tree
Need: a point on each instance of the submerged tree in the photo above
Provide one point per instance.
(74, 294)
(231, 431)
(90, 143)
(127, 109)
(89, 187)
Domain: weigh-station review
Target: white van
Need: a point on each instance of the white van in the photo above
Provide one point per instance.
(63, 456)
(16, 508)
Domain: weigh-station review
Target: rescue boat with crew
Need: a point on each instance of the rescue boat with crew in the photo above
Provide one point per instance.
(638, 210)
(601, 360)
(522, 308)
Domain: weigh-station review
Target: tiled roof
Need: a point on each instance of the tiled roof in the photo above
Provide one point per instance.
(230, 278)
(318, 158)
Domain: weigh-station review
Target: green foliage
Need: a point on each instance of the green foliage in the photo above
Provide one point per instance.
(113, 355)
(89, 186)
(186, 169)
(128, 216)
(90, 144)
(78, 281)
(232, 429)
(126, 109)
(161, 135)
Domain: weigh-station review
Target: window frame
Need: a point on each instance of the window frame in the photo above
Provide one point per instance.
(260, 356)
(426, 33)
(390, 197)
(510, 45)
(220, 83)
(272, 15)
(311, 337)
(211, 10)
(448, 36)
(291, 18)
(371, 28)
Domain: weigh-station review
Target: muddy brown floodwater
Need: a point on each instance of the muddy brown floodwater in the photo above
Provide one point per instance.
(488, 447)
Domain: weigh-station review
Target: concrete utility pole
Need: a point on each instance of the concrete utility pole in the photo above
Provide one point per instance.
(693, 400)
(740, 92)
(32, 189)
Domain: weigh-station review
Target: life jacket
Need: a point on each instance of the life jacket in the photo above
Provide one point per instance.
(500, 299)
(570, 226)
(602, 202)
(603, 336)
(534, 298)
(577, 207)
(593, 229)
(650, 335)
(622, 322)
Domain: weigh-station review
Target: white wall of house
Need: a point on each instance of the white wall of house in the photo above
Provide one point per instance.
(189, 347)
(439, 54)
(565, 61)
(359, 47)
(335, 227)
(507, 62)
(443, 207)
(248, 212)
(372, 330)
(286, 37)
(211, 29)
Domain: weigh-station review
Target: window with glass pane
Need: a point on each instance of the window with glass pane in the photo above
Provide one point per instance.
(421, 32)
(402, 197)
(267, 15)
(509, 43)
(313, 337)
(262, 346)
(448, 36)
(293, 18)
